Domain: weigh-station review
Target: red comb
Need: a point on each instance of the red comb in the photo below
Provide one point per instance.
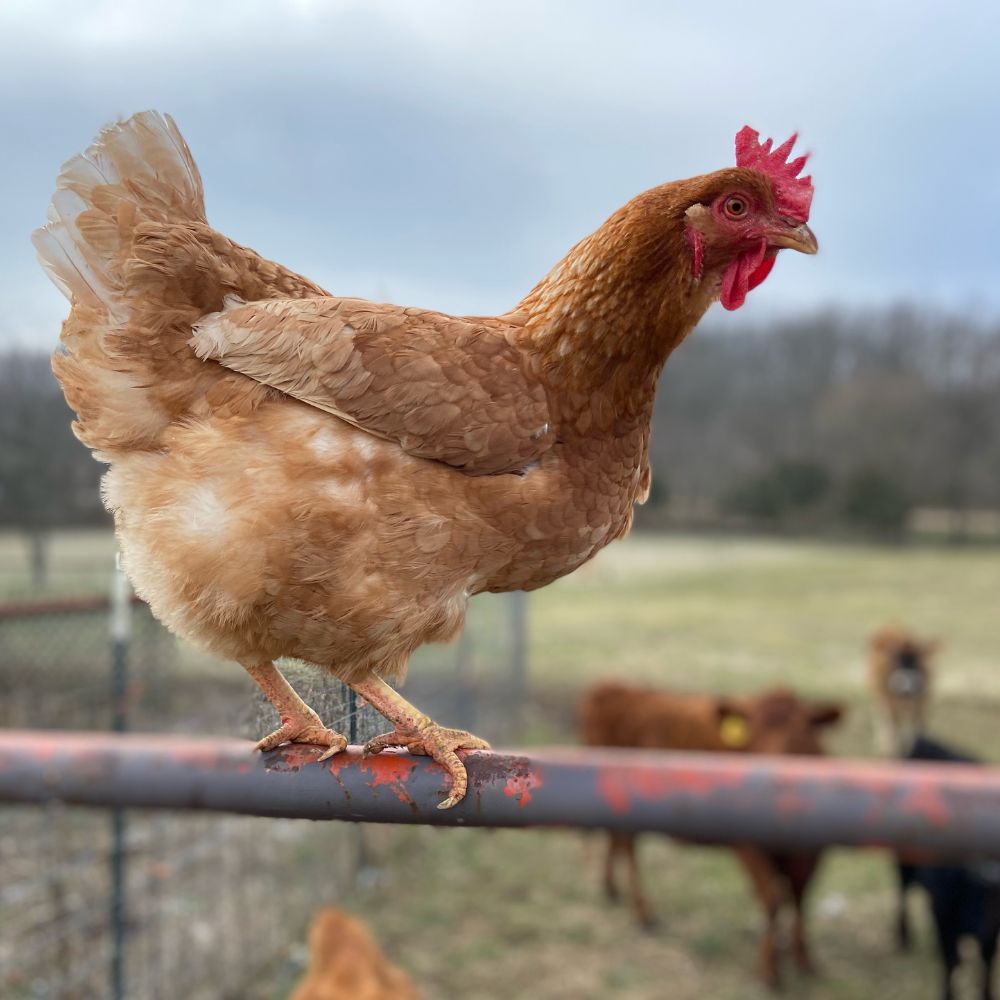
(792, 193)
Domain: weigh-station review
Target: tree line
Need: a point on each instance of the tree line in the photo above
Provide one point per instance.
(837, 418)
(47, 478)
(850, 418)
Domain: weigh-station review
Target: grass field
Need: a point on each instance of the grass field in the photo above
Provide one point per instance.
(81, 564)
(737, 613)
(477, 915)
(519, 914)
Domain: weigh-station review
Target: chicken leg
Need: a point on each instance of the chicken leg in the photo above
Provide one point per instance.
(299, 723)
(419, 734)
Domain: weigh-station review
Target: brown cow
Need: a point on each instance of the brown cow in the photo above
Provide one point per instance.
(346, 963)
(899, 671)
(776, 722)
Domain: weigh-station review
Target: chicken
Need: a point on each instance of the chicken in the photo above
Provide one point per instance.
(296, 474)
(346, 963)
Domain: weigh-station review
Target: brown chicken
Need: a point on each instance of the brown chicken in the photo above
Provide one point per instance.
(297, 474)
(346, 963)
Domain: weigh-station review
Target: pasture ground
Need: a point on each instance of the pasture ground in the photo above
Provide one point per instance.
(477, 915)
(520, 914)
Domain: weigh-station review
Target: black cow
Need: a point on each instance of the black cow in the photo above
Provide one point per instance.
(964, 898)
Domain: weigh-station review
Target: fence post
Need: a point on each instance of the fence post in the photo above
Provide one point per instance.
(468, 693)
(120, 628)
(518, 660)
(361, 862)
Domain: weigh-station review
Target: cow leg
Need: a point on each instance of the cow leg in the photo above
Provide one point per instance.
(946, 925)
(801, 869)
(768, 886)
(906, 874)
(988, 934)
(643, 911)
(989, 949)
(610, 886)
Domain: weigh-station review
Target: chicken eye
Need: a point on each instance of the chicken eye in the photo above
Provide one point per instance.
(736, 206)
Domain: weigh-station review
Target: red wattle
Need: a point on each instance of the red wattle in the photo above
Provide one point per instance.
(744, 273)
(732, 295)
(763, 271)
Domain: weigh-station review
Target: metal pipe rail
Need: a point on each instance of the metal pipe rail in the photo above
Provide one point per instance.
(59, 607)
(940, 809)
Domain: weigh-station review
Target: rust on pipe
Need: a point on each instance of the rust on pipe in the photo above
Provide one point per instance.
(16, 610)
(942, 809)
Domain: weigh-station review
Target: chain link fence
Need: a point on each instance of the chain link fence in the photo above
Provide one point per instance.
(152, 905)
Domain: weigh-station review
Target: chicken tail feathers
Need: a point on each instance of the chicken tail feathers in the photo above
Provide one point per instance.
(137, 177)
(135, 171)
(128, 244)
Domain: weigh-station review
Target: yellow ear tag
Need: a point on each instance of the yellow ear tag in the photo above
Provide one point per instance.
(733, 732)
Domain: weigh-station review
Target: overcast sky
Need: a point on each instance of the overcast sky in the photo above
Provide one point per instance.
(445, 154)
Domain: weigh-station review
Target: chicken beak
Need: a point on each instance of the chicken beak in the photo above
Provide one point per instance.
(791, 237)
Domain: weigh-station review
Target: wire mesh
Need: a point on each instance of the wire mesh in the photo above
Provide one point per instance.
(215, 907)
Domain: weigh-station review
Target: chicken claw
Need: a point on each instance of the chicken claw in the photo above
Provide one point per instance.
(419, 734)
(299, 723)
(305, 729)
(438, 743)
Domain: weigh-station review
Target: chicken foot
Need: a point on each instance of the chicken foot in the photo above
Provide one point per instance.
(299, 723)
(419, 734)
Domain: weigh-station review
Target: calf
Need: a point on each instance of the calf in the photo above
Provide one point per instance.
(346, 963)
(777, 722)
(899, 671)
(964, 899)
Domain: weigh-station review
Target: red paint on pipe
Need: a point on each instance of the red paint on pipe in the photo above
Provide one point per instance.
(619, 786)
(44, 745)
(520, 786)
(297, 755)
(390, 769)
(791, 802)
(925, 800)
(614, 791)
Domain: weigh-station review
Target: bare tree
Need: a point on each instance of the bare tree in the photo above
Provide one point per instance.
(47, 478)
(910, 393)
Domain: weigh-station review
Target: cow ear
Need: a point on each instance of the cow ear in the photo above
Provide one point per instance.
(826, 713)
(731, 722)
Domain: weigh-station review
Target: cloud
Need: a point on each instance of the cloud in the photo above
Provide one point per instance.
(446, 154)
